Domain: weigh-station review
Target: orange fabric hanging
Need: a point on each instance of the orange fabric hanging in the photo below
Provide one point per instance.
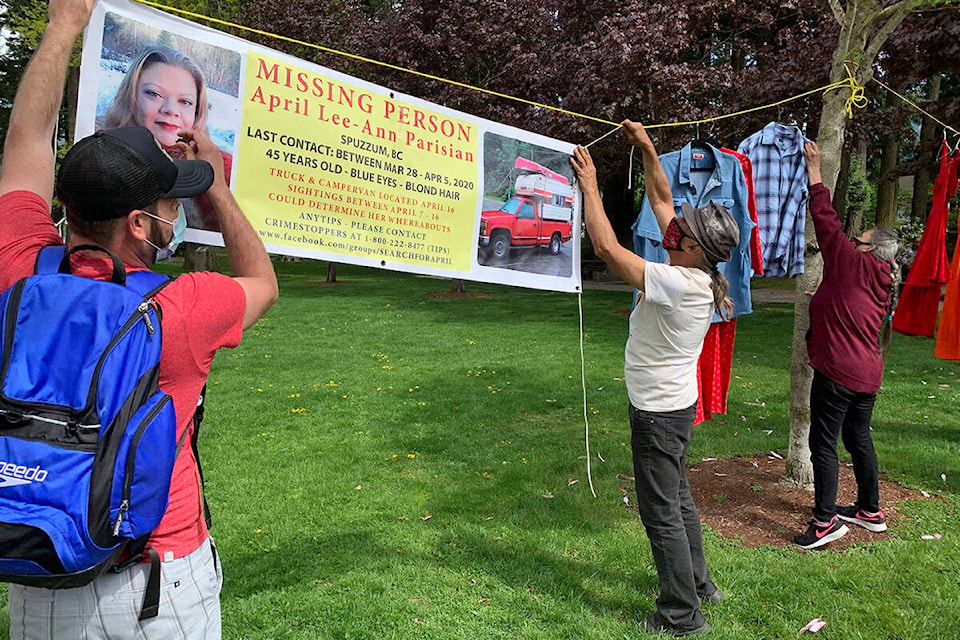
(948, 334)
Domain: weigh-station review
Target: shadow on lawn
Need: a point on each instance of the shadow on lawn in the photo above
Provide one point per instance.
(461, 551)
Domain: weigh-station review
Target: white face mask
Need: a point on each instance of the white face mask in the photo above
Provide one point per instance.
(179, 225)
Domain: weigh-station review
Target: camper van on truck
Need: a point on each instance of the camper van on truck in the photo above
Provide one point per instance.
(539, 214)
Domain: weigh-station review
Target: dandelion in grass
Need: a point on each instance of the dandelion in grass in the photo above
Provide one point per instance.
(298, 410)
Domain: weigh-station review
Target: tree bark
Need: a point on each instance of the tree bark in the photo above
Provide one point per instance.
(888, 186)
(458, 286)
(198, 257)
(618, 203)
(798, 470)
(71, 95)
(331, 272)
(854, 220)
(843, 183)
(920, 204)
(864, 27)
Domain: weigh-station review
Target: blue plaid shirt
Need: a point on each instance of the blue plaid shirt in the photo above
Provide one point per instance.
(699, 175)
(780, 186)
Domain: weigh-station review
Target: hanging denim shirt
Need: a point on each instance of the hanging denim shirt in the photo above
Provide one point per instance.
(698, 175)
(780, 186)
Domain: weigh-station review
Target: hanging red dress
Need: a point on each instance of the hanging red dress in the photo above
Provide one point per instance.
(948, 333)
(919, 304)
(713, 370)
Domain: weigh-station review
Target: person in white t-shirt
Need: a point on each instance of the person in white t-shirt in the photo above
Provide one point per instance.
(675, 305)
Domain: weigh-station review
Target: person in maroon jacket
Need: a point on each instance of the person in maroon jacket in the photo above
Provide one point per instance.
(849, 332)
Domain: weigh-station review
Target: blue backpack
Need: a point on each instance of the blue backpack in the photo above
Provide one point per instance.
(87, 439)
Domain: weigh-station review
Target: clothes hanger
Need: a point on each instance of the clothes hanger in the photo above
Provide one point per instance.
(706, 141)
(946, 147)
(956, 145)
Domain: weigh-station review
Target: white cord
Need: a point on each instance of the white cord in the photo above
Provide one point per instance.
(605, 135)
(583, 382)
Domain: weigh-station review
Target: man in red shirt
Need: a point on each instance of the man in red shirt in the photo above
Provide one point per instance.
(120, 190)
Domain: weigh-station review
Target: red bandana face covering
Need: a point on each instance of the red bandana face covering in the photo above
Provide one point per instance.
(673, 235)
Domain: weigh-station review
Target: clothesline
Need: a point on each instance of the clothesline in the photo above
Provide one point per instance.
(857, 92)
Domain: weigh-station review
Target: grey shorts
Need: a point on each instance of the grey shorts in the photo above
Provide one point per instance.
(108, 608)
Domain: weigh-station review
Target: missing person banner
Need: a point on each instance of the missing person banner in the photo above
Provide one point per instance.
(330, 167)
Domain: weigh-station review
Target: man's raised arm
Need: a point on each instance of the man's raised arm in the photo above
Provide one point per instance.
(655, 180)
(246, 254)
(28, 154)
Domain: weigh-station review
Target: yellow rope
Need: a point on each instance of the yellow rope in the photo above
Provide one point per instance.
(857, 97)
(824, 89)
(372, 61)
(858, 92)
(917, 107)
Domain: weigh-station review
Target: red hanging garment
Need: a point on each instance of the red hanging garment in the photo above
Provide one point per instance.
(919, 304)
(756, 250)
(948, 333)
(713, 369)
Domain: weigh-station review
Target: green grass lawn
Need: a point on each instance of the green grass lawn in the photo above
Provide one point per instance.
(384, 464)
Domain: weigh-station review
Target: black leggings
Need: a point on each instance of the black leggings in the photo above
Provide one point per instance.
(834, 410)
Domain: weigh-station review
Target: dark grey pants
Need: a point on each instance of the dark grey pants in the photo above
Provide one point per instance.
(669, 516)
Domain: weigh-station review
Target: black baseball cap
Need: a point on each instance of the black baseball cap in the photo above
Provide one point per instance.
(114, 171)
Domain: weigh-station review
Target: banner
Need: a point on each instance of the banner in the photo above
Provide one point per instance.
(330, 167)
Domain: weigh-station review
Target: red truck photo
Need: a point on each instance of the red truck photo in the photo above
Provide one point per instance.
(539, 214)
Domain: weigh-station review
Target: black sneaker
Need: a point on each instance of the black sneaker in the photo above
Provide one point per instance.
(713, 598)
(819, 533)
(652, 624)
(871, 522)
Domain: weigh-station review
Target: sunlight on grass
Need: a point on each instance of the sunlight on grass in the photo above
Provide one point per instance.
(384, 464)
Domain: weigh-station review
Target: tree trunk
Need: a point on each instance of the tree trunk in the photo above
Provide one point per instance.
(331, 272)
(888, 186)
(864, 27)
(618, 203)
(198, 257)
(853, 225)
(71, 95)
(458, 286)
(843, 183)
(798, 470)
(920, 205)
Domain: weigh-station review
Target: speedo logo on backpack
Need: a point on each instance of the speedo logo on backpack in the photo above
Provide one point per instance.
(15, 474)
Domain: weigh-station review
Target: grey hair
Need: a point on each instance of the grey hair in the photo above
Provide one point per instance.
(887, 243)
(719, 286)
